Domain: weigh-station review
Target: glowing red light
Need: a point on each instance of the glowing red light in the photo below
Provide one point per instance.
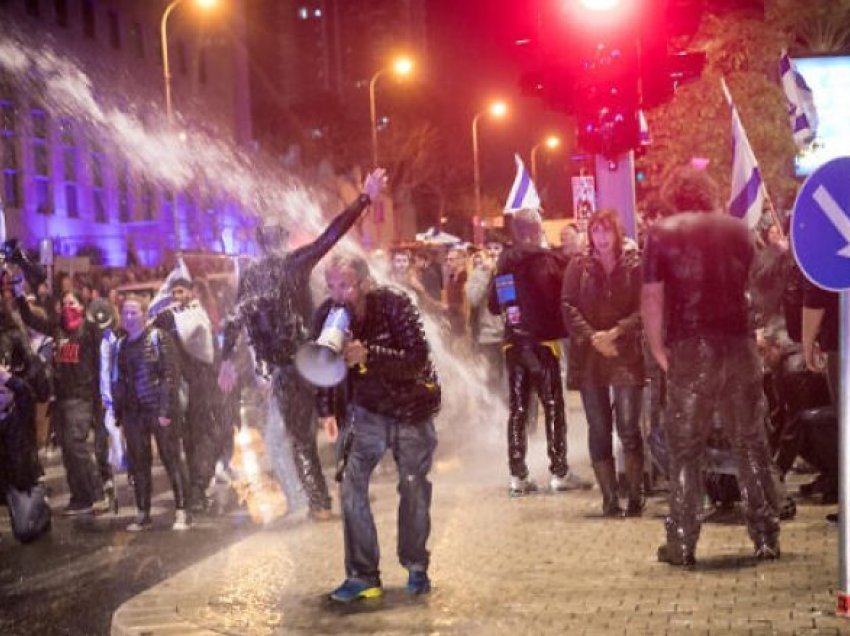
(600, 5)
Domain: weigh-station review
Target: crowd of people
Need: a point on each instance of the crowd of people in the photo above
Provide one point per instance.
(707, 331)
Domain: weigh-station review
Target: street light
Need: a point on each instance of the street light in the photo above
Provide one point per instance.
(551, 142)
(401, 67)
(163, 29)
(497, 109)
(166, 76)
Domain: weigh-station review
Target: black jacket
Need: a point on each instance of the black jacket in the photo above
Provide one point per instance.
(146, 375)
(399, 379)
(537, 274)
(273, 300)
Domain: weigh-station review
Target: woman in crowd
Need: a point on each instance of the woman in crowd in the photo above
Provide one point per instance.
(601, 307)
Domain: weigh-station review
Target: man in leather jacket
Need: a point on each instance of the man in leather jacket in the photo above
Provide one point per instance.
(145, 399)
(696, 265)
(392, 397)
(526, 289)
(274, 305)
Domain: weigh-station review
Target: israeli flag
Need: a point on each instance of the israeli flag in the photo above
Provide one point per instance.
(163, 296)
(801, 102)
(747, 197)
(523, 194)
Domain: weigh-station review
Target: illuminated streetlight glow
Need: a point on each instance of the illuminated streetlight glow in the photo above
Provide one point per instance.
(600, 5)
(497, 109)
(551, 142)
(402, 66)
(206, 4)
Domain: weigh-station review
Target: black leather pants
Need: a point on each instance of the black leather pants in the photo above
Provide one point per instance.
(138, 427)
(535, 367)
(708, 374)
(295, 400)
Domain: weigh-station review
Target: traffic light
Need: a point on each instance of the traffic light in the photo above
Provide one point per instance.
(604, 60)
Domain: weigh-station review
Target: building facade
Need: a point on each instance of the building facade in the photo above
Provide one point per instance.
(63, 177)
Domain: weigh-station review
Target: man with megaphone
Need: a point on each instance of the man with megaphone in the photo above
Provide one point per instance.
(274, 305)
(392, 395)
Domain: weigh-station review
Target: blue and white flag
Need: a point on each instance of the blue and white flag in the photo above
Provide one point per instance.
(801, 102)
(747, 197)
(163, 296)
(523, 194)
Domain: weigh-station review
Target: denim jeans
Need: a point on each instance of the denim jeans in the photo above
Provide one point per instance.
(74, 419)
(366, 438)
(600, 411)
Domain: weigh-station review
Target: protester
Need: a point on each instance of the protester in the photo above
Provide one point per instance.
(695, 269)
(393, 395)
(274, 305)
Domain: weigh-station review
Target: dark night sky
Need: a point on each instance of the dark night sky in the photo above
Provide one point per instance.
(472, 53)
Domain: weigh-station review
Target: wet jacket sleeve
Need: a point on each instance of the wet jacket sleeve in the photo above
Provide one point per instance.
(574, 320)
(169, 374)
(477, 287)
(632, 322)
(306, 257)
(233, 322)
(407, 358)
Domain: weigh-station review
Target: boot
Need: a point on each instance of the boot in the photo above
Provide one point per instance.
(634, 480)
(606, 477)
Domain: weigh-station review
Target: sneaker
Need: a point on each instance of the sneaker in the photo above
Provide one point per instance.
(418, 582)
(570, 481)
(355, 589)
(75, 510)
(141, 522)
(521, 486)
(181, 521)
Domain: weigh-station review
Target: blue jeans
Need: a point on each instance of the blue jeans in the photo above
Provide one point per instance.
(600, 411)
(366, 438)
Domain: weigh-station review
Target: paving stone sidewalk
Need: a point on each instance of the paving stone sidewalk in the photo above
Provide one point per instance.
(544, 564)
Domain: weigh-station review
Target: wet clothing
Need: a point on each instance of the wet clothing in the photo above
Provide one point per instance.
(533, 328)
(703, 261)
(19, 465)
(390, 405)
(768, 281)
(398, 379)
(594, 301)
(145, 389)
(275, 306)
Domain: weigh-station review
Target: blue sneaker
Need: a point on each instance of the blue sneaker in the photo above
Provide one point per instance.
(418, 582)
(355, 589)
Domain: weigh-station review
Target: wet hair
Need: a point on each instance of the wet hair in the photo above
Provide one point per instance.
(687, 189)
(609, 219)
(272, 236)
(526, 224)
(357, 264)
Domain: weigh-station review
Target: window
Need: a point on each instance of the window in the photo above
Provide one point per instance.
(41, 161)
(69, 163)
(11, 188)
(9, 155)
(39, 124)
(60, 7)
(71, 207)
(202, 66)
(32, 8)
(114, 29)
(147, 201)
(124, 203)
(137, 40)
(7, 118)
(99, 204)
(96, 168)
(88, 19)
(43, 202)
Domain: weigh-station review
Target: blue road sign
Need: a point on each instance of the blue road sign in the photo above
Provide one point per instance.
(820, 227)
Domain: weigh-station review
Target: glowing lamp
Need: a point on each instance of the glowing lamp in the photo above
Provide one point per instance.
(498, 109)
(403, 66)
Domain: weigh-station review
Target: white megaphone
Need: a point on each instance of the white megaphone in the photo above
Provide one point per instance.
(321, 362)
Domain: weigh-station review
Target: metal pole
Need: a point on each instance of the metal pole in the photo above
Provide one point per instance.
(169, 113)
(843, 606)
(476, 174)
(373, 117)
(534, 150)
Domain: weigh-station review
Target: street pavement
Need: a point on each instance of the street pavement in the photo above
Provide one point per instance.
(543, 564)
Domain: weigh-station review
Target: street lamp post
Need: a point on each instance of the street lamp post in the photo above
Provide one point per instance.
(401, 67)
(496, 109)
(551, 142)
(166, 76)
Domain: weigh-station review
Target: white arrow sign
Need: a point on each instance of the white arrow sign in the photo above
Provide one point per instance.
(836, 216)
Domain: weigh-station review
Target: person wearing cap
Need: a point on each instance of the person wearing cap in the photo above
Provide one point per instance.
(274, 305)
